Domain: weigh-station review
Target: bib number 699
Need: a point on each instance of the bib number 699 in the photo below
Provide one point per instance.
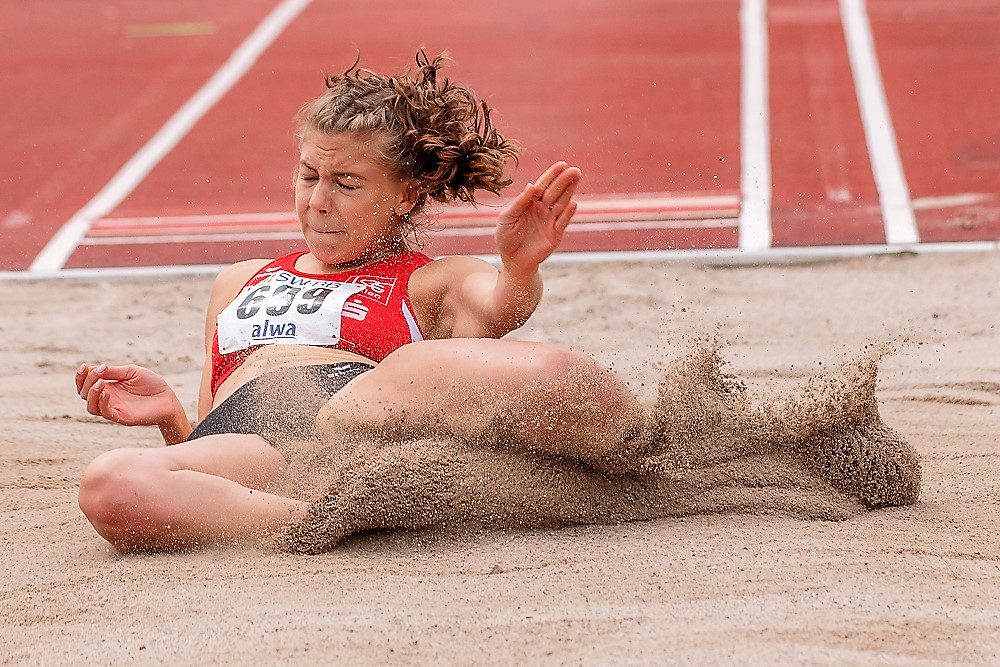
(309, 301)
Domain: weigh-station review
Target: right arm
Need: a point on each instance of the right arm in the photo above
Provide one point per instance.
(135, 396)
(464, 297)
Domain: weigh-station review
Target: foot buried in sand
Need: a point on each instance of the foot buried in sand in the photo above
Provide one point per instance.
(825, 454)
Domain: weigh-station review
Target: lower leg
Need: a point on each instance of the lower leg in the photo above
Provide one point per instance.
(404, 485)
(191, 494)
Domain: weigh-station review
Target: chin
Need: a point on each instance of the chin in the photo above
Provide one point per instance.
(332, 258)
(326, 252)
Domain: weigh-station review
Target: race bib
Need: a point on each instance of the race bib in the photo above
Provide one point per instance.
(285, 308)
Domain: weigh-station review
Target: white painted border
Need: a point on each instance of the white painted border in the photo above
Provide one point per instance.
(719, 257)
(893, 192)
(755, 135)
(603, 209)
(445, 232)
(54, 255)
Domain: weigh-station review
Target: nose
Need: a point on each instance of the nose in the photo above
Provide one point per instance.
(319, 199)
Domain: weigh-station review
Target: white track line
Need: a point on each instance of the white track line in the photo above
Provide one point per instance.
(893, 192)
(952, 201)
(755, 136)
(721, 257)
(447, 232)
(54, 255)
(605, 209)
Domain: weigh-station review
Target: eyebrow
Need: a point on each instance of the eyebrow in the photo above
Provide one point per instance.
(339, 174)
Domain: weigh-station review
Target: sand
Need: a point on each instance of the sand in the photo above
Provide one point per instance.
(763, 525)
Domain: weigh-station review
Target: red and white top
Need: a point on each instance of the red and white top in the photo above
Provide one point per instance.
(366, 311)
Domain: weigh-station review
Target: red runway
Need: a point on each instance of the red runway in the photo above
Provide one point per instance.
(159, 134)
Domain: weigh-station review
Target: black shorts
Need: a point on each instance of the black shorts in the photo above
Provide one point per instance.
(281, 405)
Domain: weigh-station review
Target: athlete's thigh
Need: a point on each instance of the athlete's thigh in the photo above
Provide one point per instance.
(245, 459)
(462, 381)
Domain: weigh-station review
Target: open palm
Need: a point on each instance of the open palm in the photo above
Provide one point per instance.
(532, 226)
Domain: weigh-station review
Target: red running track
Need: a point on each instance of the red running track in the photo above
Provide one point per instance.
(644, 96)
(944, 89)
(82, 95)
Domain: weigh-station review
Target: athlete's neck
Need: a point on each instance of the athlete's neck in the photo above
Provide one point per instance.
(314, 265)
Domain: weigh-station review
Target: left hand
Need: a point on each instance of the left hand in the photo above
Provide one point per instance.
(129, 395)
(532, 226)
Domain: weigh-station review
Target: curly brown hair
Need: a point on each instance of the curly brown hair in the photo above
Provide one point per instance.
(423, 127)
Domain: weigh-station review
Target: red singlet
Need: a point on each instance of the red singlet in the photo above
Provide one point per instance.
(372, 322)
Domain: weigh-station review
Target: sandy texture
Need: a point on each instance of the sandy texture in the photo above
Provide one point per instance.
(776, 432)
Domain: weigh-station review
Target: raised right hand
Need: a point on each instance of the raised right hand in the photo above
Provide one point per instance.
(532, 226)
(129, 395)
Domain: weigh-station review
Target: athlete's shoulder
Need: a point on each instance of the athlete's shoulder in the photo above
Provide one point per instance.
(405, 261)
(454, 266)
(241, 271)
(418, 257)
(232, 279)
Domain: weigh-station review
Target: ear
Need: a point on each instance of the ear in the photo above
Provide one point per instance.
(408, 199)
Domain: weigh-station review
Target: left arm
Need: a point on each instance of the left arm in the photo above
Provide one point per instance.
(476, 300)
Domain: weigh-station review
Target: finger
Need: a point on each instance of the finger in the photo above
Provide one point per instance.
(567, 181)
(545, 180)
(559, 204)
(519, 206)
(93, 375)
(93, 397)
(80, 377)
(116, 373)
(562, 222)
(104, 405)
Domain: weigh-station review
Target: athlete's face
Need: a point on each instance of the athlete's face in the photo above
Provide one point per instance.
(349, 205)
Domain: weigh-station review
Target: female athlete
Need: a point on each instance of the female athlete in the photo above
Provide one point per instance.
(358, 331)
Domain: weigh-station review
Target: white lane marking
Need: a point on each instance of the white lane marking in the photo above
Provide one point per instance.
(893, 192)
(54, 255)
(755, 137)
(949, 201)
(712, 257)
(603, 209)
(612, 226)
(173, 221)
(447, 232)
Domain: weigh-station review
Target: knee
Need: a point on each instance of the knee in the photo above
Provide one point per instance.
(561, 364)
(599, 395)
(578, 376)
(116, 495)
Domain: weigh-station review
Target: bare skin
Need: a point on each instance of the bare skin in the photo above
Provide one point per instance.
(202, 492)
(561, 402)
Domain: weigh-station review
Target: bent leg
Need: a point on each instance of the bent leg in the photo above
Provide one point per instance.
(400, 485)
(204, 491)
(531, 395)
